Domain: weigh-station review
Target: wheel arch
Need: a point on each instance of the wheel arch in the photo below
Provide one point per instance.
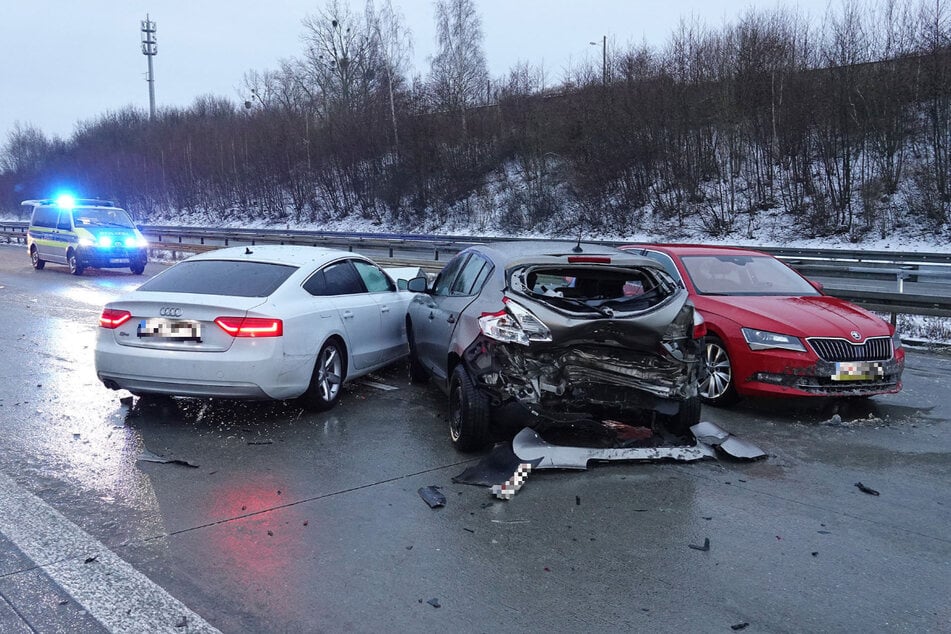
(345, 357)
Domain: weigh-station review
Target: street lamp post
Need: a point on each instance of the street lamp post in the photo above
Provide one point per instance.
(604, 58)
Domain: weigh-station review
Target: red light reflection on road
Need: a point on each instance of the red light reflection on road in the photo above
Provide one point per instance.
(265, 547)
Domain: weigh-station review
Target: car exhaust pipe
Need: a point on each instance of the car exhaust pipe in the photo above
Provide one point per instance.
(112, 385)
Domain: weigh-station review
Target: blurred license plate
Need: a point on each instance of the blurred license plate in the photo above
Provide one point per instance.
(858, 371)
(180, 330)
(118, 260)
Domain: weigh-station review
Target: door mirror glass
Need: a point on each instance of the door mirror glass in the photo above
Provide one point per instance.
(417, 284)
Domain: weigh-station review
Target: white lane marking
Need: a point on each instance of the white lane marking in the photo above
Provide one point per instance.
(113, 592)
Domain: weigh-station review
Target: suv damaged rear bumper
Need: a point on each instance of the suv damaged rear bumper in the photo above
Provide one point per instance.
(553, 381)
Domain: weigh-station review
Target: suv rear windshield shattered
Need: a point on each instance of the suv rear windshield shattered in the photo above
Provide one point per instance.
(603, 290)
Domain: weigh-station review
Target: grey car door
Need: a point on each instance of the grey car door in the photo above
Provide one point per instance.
(450, 297)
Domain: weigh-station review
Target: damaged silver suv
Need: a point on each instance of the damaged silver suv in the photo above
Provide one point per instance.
(559, 333)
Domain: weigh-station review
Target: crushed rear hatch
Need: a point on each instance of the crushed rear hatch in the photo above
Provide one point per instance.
(580, 336)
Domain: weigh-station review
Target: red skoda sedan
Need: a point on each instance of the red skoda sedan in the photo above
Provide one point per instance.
(771, 332)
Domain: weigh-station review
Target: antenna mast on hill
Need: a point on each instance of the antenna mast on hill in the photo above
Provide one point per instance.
(150, 50)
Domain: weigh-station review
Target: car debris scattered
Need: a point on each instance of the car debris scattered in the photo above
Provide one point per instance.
(710, 434)
(864, 489)
(510, 487)
(739, 626)
(507, 466)
(434, 602)
(529, 446)
(432, 496)
(704, 548)
(380, 386)
(497, 467)
(148, 456)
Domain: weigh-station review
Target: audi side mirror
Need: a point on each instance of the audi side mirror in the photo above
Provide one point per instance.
(417, 284)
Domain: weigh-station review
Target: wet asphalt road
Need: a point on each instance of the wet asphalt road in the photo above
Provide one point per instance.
(300, 522)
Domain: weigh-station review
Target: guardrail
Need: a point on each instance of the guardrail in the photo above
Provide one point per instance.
(431, 252)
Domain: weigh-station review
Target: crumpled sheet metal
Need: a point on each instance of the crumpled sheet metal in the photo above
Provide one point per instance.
(529, 446)
(710, 434)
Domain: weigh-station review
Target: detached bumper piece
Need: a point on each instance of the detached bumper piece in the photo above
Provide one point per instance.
(530, 447)
(506, 468)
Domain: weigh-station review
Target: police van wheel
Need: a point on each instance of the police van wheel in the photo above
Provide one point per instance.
(74, 266)
(137, 269)
(38, 264)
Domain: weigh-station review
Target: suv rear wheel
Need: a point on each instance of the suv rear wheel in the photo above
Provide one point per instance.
(38, 263)
(468, 412)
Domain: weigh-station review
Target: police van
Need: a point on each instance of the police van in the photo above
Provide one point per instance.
(83, 233)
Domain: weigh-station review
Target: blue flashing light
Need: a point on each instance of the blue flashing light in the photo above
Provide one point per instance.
(65, 201)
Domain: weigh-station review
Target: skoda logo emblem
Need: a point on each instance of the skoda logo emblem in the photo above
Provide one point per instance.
(855, 335)
(168, 311)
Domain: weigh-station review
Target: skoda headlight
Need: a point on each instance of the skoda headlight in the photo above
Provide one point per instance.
(765, 340)
(86, 242)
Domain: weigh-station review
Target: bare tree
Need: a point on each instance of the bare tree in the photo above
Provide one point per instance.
(392, 45)
(458, 73)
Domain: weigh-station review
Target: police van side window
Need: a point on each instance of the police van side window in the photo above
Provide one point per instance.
(45, 217)
(65, 220)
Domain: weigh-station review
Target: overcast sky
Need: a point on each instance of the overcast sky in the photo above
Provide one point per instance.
(64, 62)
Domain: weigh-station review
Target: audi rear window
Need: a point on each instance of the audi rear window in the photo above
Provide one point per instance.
(221, 277)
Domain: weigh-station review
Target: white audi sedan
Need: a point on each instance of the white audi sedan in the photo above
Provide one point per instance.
(260, 322)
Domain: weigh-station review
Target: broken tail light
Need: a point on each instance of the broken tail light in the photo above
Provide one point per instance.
(251, 326)
(112, 318)
(514, 324)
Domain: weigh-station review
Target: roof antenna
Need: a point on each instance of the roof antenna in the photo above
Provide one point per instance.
(577, 248)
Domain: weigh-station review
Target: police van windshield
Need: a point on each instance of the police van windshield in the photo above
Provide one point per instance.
(101, 217)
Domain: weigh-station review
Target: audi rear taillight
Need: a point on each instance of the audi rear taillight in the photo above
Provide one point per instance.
(112, 318)
(514, 324)
(251, 326)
